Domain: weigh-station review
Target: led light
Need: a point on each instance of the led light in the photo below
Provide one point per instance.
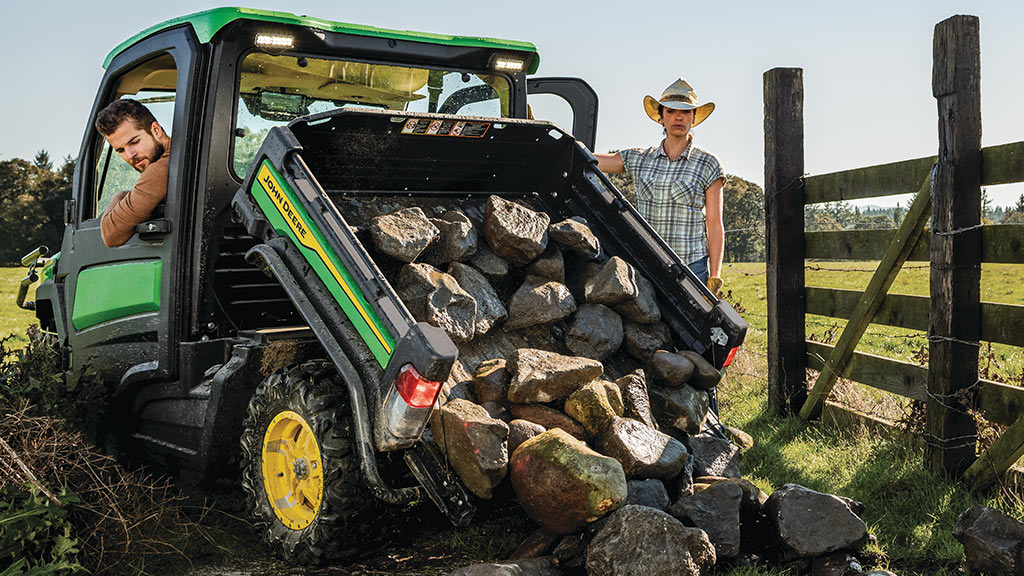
(416, 390)
(730, 357)
(272, 41)
(509, 65)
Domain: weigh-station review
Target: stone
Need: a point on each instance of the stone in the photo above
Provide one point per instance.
(577, 273)
(650, 492)
(562, 484)
(740, 438)
(490, 381)
(614, 283)
(550, 264)
(474, 444)
(571, 552)
(492, 266)
(591, 407)
(993, 542)
(498, 411)
(643, 451)
(836, 564)
(542, 376)
(642, 541)
(683, 408)
(539, 543)
(716, 511)
(539, 301)
(642, 340)
(635, 399)
(576, 235)
(437, 299)
(520, 431)
(595, 332)
(713, 456)
(643, 309)
(514, 232)
(670, 369)
(404, 234)
(548, 417)
(489, 309)
(705, 375)
(614, 396)
(457, 239)
(809, 524)
(543, 566)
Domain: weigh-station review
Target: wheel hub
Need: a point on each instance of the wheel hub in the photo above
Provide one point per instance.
(292, 470)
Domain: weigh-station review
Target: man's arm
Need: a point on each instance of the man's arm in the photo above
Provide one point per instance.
(129, 209)
(610, 163)
(716, 227)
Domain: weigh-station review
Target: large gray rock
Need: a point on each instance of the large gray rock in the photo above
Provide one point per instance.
(643, 340)
(492, 266)
(636, 401)
(576, 236)
(474, 443)
(520, 431)
(437, 299)
(650, 493)
(404, 234)
(643, 451)
(670, 369)
(614, 283)
(716, 511)
(683, 408)
(809, 523)
(714, 457)
(543, 566)
(539, 301)
(642, 541)
(457, 239)
(644, 308)
(514, 232)
(595, 332)
(705, 375)
(542, 376)
(550, 264)
(490, 381)
(594, 406)
(549, 418)
(489, 309)
(562, 484)
(993, 542)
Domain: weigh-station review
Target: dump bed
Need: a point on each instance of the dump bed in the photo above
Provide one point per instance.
(320, 181)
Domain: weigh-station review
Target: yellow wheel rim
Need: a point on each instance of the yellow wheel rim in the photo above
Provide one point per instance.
(293, 473)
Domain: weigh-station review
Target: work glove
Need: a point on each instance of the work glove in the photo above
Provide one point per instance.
(714, 284)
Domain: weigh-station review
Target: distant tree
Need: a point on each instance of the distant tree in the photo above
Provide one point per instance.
(1019, 206)
(43, 161)
(1012, 217)
(21, 214)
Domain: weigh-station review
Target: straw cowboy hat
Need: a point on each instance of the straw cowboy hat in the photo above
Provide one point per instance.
(679, 96)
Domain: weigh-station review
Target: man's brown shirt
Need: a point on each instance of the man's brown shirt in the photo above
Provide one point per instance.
(130, 209)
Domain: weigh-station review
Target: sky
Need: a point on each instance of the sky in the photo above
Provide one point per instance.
(867, 66)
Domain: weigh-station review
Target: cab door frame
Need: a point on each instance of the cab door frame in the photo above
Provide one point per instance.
(581, 98)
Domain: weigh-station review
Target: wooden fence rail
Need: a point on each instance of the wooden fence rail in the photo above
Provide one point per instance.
(953, 317)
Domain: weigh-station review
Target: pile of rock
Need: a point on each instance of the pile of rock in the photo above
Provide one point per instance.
(567, 388)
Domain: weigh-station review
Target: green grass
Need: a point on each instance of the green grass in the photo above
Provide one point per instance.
(13, 319)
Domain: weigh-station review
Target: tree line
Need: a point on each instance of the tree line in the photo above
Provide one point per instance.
(32, 195)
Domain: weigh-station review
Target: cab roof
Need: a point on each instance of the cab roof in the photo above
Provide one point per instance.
(207, 23)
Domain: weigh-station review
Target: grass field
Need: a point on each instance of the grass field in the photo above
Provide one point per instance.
(910, 511)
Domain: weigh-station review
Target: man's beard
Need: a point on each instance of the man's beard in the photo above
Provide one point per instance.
(158, 153)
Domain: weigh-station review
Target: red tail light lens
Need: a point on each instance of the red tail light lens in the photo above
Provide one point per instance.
(417, 391)
(729, 358)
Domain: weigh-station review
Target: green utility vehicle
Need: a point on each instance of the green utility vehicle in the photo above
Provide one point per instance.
(248, 311)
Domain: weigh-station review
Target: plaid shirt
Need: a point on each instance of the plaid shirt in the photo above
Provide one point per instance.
(670, 194)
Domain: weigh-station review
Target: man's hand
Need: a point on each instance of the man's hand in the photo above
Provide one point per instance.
(714, 284)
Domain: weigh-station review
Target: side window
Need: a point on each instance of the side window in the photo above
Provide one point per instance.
(153, 85)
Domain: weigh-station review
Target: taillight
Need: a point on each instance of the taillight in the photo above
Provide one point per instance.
(729, 358)
(416, 390)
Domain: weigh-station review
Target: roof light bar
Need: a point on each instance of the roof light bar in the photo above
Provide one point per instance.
(509, 64)
(274, 41)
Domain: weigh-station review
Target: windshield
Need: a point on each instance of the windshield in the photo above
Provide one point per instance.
(275, 89)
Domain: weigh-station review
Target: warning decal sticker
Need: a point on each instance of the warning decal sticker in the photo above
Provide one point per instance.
(428, 127)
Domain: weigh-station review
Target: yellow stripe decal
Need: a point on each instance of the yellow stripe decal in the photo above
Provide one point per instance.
(307, 239)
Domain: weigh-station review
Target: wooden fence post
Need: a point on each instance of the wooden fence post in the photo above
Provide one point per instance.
(955, 316)
(784, 234)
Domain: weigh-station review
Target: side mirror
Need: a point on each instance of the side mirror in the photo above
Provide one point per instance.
(29, 260)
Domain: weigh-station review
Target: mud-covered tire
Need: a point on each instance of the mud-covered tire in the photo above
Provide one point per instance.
(312, 393)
